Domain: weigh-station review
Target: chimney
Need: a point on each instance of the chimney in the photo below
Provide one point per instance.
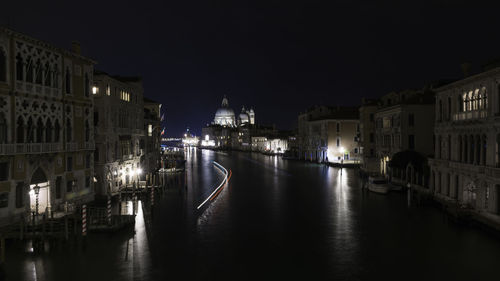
(75, 47)
(466, 68)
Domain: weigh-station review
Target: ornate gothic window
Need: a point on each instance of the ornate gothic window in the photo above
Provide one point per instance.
(48, 75)
(57, 131)
(48, 131)
(68, 81)
(39, 72)
(3, 65)
(68, 130)
(39, 130)
(19, 68)
(20, 130)
(29, 70)
(30, 131)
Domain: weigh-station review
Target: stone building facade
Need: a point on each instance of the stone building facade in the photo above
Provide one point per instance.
(150, 160)
(119, 126)
(403, 121)
(466, 167)
(370, 163)
(46, 126)
(329, 134)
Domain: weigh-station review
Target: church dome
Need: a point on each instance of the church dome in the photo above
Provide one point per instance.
(225, 115)
(244, 118)
(224, 112)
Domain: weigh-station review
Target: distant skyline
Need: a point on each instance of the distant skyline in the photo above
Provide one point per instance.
(280, 58)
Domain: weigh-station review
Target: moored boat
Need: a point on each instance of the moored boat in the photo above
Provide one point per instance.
(378, 185)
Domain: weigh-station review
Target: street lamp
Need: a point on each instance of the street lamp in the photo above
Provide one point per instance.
(37, 193)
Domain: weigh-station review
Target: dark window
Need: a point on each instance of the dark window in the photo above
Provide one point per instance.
(338, 142)
(411, 120)
(449, 108)
(96, 154)
(48, 76)
(69, 186)
(68, 81)
(48, 131)
(4, 171)
(68, 130)
(440, 114)
(372, 118)
(372, 152)
(58, 188)
(57, 131)
(29, 70)
(19, 67)
(20, 130)
(96, 118)
(87, 85)
(87, 130)
(3, 128)
(411, 142)
(87, 182)
(4, 200)
(3, 66)
(69, 164)
(87, 161)
(19, 194)
(39, 72)
(460, 103)
(372, 138)
(338, 127)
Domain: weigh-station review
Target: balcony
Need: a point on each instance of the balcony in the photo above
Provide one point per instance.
(469, 115)
(29, 148)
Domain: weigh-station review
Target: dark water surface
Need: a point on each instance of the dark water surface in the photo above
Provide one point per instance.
(277, 219)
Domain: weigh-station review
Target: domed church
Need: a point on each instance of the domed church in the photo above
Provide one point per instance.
(225, 116)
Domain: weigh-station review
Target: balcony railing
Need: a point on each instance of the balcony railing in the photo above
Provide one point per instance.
(476, 114)
(29, 148)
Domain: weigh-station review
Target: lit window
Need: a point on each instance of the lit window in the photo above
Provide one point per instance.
(108, 90)
(95, 90)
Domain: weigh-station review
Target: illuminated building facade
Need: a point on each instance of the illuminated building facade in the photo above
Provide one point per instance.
(120, 132)
(150, 160)
(466, 166)
(46, 127)
(329, 134)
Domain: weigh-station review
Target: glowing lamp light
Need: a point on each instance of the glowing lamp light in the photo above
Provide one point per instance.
(139, 171)
(342, 149)
(132, 172)
(94, 90)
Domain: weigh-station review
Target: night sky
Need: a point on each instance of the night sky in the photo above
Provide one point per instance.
(279, 58)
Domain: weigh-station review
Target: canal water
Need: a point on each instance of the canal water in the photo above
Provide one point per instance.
(277, 219)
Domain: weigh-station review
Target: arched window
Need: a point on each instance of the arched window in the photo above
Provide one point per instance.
(39, 72)
(29, 70)
(48, 131)
(68, 81)
(68, 130)
(3, 128)
(19, 68)
(57, 131)
(87, 130)
(484, 93)
(39, 130)
(55, 77)
(470, 98)
(460, 104)
(449, 108)
(3, 65)
(48, 76)
(30, 131)
(484, 148)
(20, 130)
(87, 85)
(471, 149)
(478, 149)
(465, 99)
(459, 149)
(465, 152)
